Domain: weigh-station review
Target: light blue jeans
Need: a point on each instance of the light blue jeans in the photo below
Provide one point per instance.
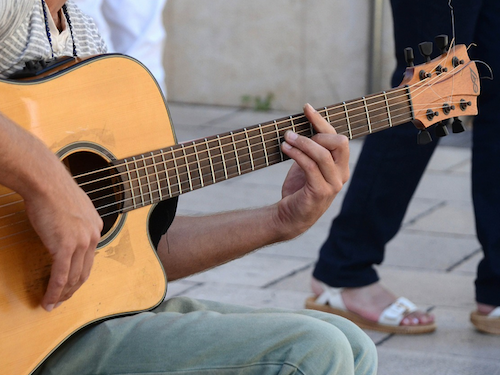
(185, 336)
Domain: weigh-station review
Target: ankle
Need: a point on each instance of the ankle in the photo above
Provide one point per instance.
(484, 308)
(317, 287)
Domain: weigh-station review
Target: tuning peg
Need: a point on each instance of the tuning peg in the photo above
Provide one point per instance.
(426, 50)
(440, 129)
(442, 43)
(424, 137)
(457, 126)
(409, 56)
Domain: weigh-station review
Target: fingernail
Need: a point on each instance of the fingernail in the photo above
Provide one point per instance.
(286, 146)
(57, 305)
(291, 135)
(310, 107)
(50, 307)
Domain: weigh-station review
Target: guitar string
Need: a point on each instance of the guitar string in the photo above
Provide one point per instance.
(271, 125)
(322, 111)
(223, 155)
(201, 177)
(176, 188)
(302, 117)
(226, 160)
(326, 109)
(197, 165)
(337, 107)
(188, 169)
(142, 203)
(452, 14)
(192, 146)
(197, 161)
(244, 167)
(298, 118)
(260, 157)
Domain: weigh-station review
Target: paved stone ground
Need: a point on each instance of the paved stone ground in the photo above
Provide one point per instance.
(432, 260)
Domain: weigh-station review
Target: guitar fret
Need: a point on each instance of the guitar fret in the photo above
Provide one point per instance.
(249, 148)
(188, 170)
(264, 145)
(166, 172)
(176, 171)
(367, 115)
(236, 153)
(388, 109)
(130, 182)
(327, 115)
(348, 120)
(210, 161)
(199, 164)
(278, 140)
(157, 176)
(293, 125)
(139, 180)
(148, 179)
(223, 157)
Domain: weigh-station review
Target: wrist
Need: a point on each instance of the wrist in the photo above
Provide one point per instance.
(286, 225)
(44, 179)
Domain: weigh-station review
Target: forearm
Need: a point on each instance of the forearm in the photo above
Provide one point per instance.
(194, 244)
(26, 163)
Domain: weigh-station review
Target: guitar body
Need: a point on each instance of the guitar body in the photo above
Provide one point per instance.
(117, 110)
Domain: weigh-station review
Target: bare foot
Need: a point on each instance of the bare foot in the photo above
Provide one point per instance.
(371, 300)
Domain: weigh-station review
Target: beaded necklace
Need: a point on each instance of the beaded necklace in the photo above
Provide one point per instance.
(47, 28)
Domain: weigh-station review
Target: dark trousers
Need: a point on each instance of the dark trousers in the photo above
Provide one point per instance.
(391, 163)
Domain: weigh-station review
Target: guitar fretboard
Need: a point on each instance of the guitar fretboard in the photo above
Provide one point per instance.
(166, 173)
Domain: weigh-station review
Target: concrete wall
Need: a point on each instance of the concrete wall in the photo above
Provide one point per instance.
(221, 51)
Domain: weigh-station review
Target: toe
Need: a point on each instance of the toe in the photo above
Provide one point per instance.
(417, 318)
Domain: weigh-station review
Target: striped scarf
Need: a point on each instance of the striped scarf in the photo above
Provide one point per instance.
(23, 35)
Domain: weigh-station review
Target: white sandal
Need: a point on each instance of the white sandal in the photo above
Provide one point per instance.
(389, 321)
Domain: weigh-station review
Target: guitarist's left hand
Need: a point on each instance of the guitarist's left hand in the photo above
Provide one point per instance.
(197, 243)
(320, 170)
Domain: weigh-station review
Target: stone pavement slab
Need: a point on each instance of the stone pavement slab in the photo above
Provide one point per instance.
(431, 261)
(254, 269)
(438, 252)
(393, 361)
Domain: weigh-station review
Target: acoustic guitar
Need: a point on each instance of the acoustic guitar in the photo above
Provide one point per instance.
(106, 119)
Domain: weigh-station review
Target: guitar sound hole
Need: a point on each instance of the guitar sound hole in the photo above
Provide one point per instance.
(102, 183)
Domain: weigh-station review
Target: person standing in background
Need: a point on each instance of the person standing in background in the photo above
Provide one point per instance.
(387, 174)
(134, 28)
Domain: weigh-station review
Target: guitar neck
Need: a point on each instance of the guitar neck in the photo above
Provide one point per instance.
(166, 173)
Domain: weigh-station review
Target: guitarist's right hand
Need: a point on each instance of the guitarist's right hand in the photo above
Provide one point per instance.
(60, 212)
(70, 228)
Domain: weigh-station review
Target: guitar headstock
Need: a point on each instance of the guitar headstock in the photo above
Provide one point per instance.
(443, 88)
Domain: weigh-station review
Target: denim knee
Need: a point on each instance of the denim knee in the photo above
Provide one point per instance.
(320, 348)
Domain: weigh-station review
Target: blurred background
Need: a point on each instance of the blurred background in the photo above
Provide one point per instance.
(277, 54)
